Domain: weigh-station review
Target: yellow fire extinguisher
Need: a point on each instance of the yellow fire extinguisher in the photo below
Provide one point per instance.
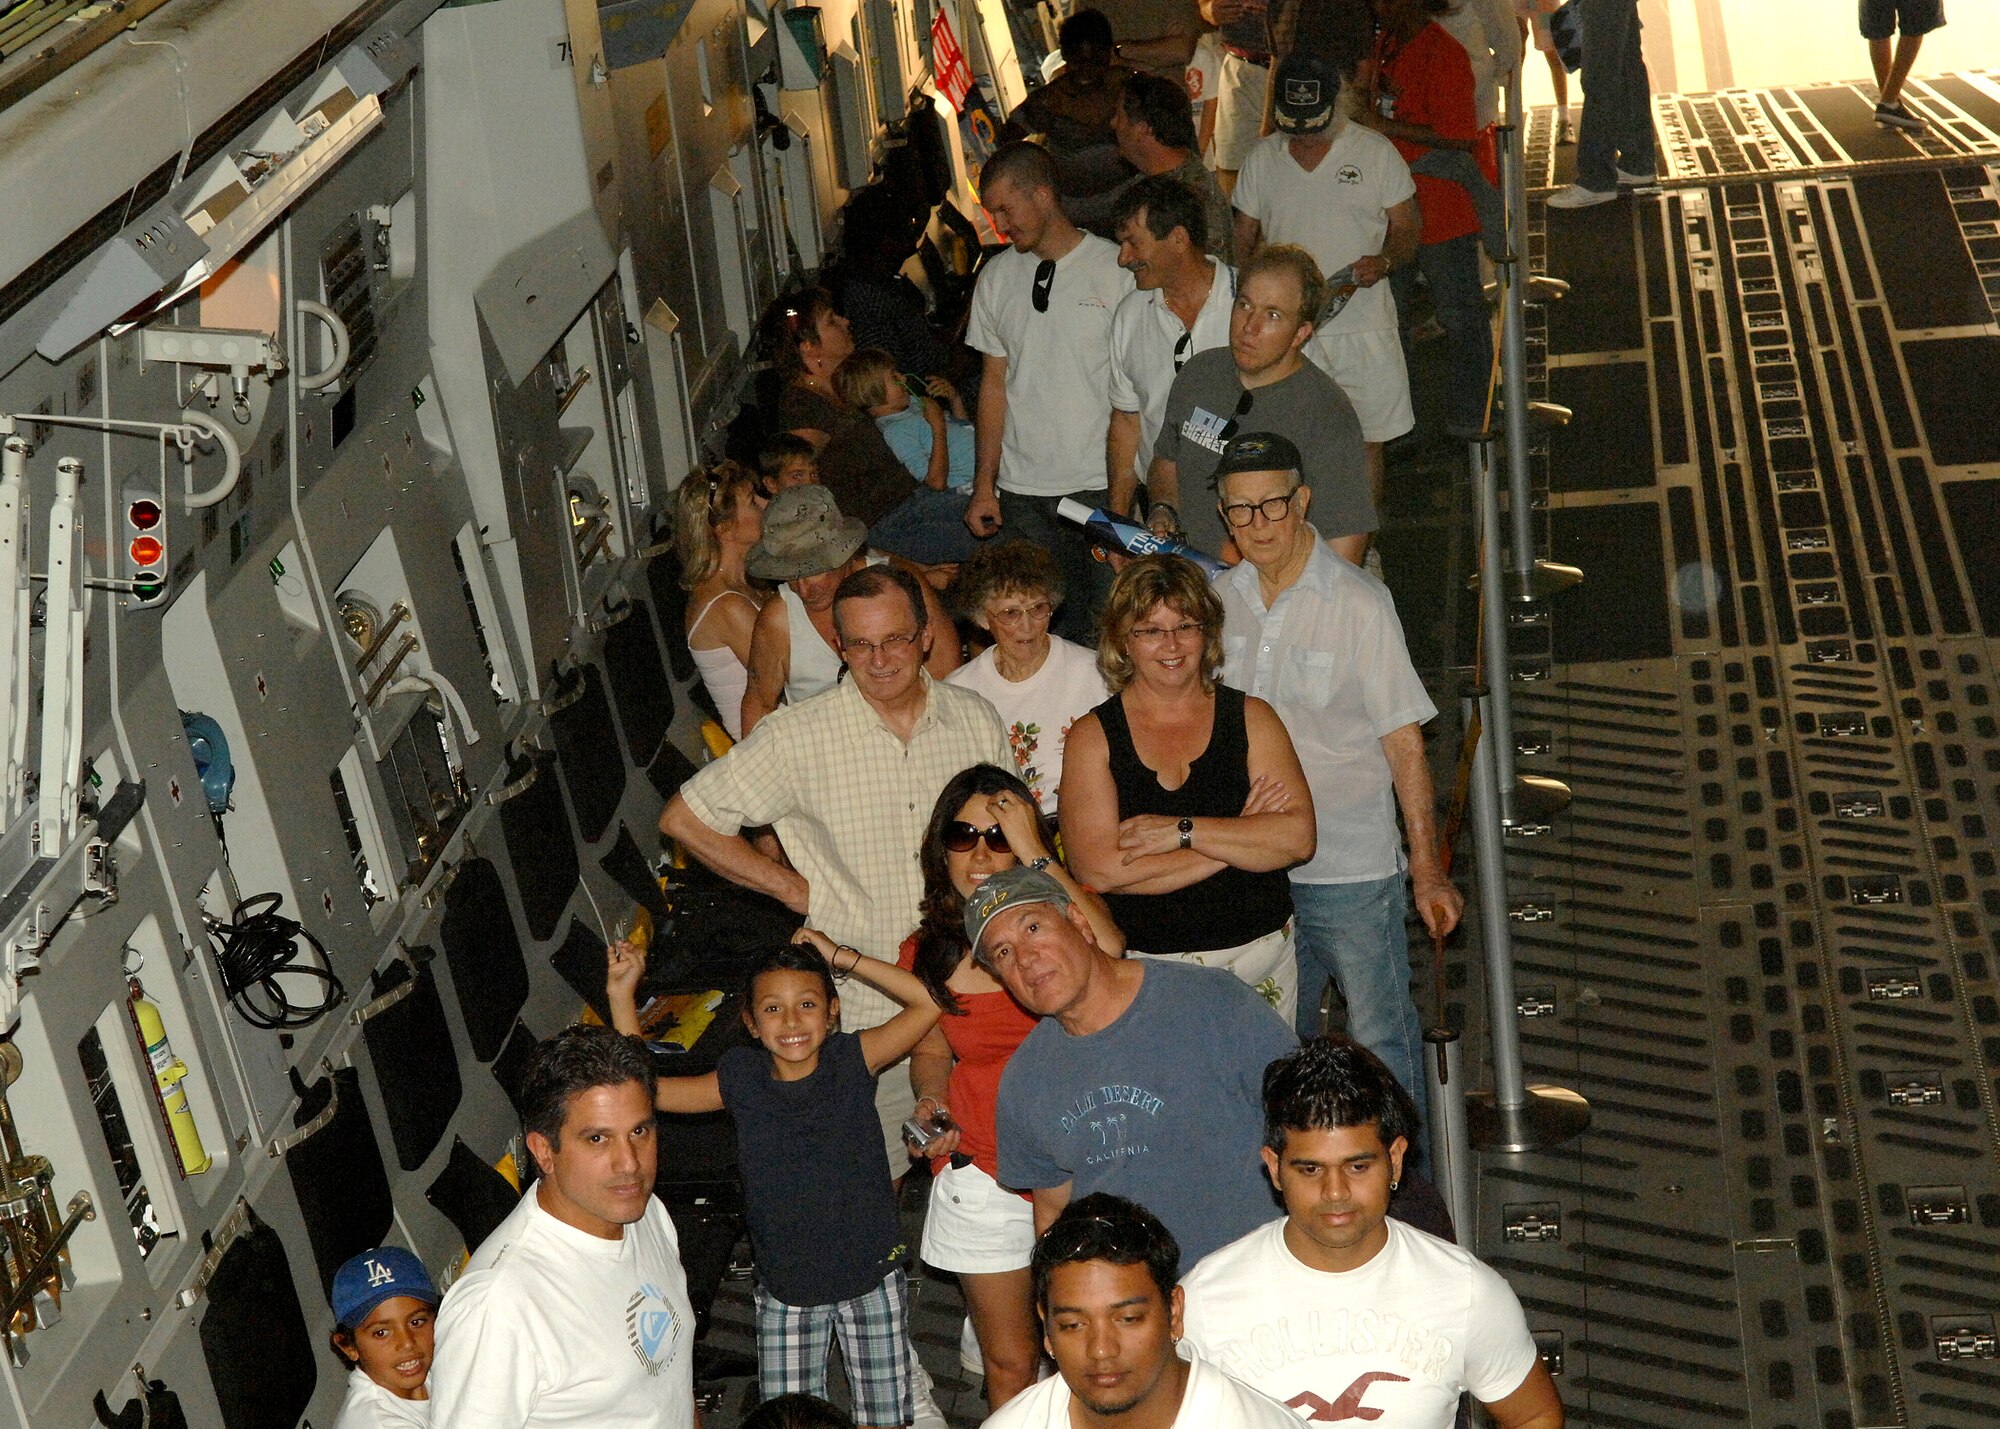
(169, 1072)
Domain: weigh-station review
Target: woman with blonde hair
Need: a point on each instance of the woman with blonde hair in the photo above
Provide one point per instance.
(716, 521)
(1182, 800)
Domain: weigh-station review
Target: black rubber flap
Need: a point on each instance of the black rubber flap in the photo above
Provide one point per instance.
(416, 1066)
(253, 1334)
(663, 578)
(471, 1195)
(337, 1174)
(629, 870)
(669, 770)
(1957, 385)
(1594, 250)
(511, 1066)
(639, 685)
(588, 748)
(1610, 444)
(580, 960)
(1623, 616)
(484, 954)
(542, 846)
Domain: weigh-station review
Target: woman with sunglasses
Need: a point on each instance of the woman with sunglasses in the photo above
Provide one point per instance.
(1183, 799)
(717, 519)
(984, 822)
(906, 517)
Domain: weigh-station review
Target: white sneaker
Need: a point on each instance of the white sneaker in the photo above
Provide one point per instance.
(1577, 196)
(924, 1411)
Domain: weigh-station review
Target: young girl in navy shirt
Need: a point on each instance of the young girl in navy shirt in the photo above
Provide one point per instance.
(817, 1190)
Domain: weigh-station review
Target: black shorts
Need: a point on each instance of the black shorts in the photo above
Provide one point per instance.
(1882, 18)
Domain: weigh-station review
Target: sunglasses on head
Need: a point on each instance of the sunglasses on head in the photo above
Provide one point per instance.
(1045, 282)
(961, 837)
(1183, 349)
(1228, 432)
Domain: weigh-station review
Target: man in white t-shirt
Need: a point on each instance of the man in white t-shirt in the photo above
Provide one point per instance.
(1339, 1312)
(1103, 1283)
(1041, 315)
(574, 1312)
(1341, 192)
(1181, 307)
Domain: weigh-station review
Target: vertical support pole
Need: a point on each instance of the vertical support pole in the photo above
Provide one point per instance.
(1499, 717)
(62, 668)
(1450, 1145)
(1514, 331)
(16, 605)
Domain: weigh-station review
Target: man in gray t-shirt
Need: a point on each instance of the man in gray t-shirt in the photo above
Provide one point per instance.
(1144, 1077)
(1262, 382)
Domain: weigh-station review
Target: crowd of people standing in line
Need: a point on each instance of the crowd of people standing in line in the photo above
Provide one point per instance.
(1072, 906)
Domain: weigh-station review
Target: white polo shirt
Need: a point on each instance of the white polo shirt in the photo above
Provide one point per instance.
(1058, 363)
(1339, 212)
(1144, 331)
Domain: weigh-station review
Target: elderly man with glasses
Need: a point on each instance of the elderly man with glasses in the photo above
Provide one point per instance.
(1262, 382)
(1319, 639)
(847, 779)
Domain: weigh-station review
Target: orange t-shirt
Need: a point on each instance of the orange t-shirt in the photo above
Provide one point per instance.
(982, 1039)
(1429, 81)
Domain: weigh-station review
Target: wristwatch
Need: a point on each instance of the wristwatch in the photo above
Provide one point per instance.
(1186, 827)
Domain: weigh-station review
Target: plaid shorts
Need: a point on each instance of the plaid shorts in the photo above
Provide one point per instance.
(793, 1341)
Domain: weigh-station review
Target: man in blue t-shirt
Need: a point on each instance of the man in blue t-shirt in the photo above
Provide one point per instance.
(1144, 1079)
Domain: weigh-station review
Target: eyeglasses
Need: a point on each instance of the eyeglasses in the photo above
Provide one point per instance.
(1183, 349)
(1015, 614)
(1152, 633)
(1243, 404)
(890, 645)
(961, 837)
(1273, 508)
(1045, 283)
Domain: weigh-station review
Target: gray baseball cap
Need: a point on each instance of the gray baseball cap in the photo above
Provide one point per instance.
(1011, 889)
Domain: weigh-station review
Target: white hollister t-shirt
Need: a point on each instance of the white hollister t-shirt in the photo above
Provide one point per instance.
(1393, 1342)
(369, 1406)
(551, 1328)
(1038, 711)
(1213, 1400)
(1058, 363)
(1337, 213)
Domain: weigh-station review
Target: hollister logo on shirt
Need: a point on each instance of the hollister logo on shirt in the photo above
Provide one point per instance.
(1347, 1406)
(1348, 174)
(1205, 429)
(653, 1328)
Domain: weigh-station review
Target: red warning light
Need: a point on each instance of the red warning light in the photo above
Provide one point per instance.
(144, 515)
(146, 551)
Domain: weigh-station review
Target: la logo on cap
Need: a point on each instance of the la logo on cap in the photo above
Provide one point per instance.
(1301, 93)
(380, 1274)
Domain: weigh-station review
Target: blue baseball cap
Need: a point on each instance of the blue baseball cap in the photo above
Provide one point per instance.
(374, 1276)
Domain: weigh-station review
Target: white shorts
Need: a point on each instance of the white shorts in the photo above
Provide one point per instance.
(1239, 115)
(1370, 370)
(976, 1226)
(1269, 966)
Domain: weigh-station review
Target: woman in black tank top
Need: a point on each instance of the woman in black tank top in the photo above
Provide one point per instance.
(1189, 803)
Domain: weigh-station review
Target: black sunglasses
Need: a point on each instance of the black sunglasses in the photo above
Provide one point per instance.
(961, 837)
(1181, 350)
(1045, 282)
(1228, 432)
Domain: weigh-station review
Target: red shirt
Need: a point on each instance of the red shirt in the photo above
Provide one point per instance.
(981, 1040)
(1429, 80)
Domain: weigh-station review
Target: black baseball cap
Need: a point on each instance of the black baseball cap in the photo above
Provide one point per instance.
(1305, 90)
(1256, 451)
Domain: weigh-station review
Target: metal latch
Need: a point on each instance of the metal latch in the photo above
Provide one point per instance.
(1916, 1090)
(1965, 1337)
(1875, 890)
(1889, 985)
(1549, 1345)
(1530, 742)
(1531, 913)
(1812, 539)
(1858, 804)
(1537, 1221)
(1938, 1206)
(1829, 652)
(1536, 1002)
(1848, 724)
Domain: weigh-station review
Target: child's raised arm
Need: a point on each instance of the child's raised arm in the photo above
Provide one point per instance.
(885, 1045)
(625, 964)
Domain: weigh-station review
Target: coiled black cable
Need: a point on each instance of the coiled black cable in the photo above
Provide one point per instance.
(258, 946)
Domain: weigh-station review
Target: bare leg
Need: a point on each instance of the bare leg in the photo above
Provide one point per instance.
(1371, 454)
(1879, 53)
(1003, 1316)
(1225, 179)
(1558, 79)
(1899, 69)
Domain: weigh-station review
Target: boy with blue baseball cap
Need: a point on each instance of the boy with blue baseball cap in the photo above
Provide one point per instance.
(384, 1313)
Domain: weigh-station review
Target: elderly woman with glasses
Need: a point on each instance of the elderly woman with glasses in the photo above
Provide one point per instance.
(1040, 683)
(1183, 799)
(984, 822)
